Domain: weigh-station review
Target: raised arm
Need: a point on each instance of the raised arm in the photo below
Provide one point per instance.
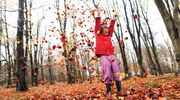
(97, 22)
(111, 26)
(97, 27)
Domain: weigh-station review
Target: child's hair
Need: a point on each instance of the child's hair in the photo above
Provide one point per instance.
(104, 20)
(103, 26)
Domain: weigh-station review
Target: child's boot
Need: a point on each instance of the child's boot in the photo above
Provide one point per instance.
(108, 87)
(118, 86)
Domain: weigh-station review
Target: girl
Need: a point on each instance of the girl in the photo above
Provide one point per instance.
(105, 50)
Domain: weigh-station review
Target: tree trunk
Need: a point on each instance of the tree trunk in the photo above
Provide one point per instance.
(30, 46)
(135, 38)
(63, 30)
(176, 41)
(50, 69)
(172, 26)
(42, 71)
(176, 16)
(1, 30)
(21, 72)
(152, 65)
(8, 52)
(26, 32)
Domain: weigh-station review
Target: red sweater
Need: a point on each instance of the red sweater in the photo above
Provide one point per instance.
(103, 43)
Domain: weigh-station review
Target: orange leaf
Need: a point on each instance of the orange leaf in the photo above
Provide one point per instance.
(145, 74)
(35, 74)
(83, 13)
(59, 18)
(36, 95)
(77, 56)
(63, 38)
(49, 48)
(59, 47)
(119, 62)
(81, 55)
(121, 42)
(80, 23)
(92, 11)
(71, 59)
(48, 64)
(30, 14)
(84, 67)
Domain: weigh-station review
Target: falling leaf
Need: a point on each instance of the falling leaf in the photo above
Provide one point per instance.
(135, 16)
(121, 42)
(83, 13)
(80, 23)
(126, 38)
(30, 14)
(145, 74)
(93, 68)
(84, 67)
(49, 48)
(18, 42)
(71, 59)
(73, 49)
(117, 25)
(81, 55)
(68, 7)
(63, 37)
(77, 56)
(92, 11)
(54, 47)
(119, 63)
(59, 47)
(35, 74)
(48, 64)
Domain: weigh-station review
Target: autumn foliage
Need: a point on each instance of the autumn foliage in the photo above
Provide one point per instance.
(152, 88)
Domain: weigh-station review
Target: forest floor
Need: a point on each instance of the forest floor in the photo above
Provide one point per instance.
(166, 87)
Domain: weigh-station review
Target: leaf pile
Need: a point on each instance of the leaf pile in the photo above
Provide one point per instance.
(156, 87)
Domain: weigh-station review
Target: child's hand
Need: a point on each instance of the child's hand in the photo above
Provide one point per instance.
(98, 11)
(114, 16)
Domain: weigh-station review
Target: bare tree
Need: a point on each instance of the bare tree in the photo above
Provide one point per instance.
(149, 43)
(1, 30)
(63, 24)
(136, 41)
(21, 71)
(8, 49)
(172, 24)
(31, 46)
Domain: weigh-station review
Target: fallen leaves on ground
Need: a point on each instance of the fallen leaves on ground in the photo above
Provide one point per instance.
(136, 88)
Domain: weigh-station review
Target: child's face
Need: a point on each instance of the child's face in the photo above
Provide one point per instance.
(105, 31)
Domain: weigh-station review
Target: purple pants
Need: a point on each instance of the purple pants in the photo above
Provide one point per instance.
(110, 67)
